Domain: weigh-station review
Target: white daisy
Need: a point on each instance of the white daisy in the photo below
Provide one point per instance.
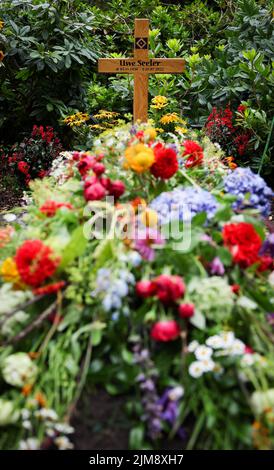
(203, 352)
(237, 348)
(207, 365)
(196, 369)
(228, 338)
(215, 342)
(192, 346)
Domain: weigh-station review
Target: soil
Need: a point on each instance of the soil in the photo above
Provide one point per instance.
(10, 196)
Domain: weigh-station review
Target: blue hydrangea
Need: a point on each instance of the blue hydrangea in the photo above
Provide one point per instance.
(183, 204)
(251, 190)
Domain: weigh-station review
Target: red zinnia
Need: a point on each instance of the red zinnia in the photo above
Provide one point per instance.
(166, 163)
(165, 330)
(49, 208)
(194, 152)
(35, 262)
(169, 288)
(243, 242)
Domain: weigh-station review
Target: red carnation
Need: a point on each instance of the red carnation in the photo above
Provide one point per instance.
(94, 192)
(166, 163)
(145, 288)
(186, 310)
(35, 262)
(116, 188)
(243, 242)
(169, 288)
(194, 152)
(50, 288)
(165, 330)
(49, 208)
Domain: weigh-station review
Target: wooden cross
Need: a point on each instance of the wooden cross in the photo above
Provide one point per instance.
(141, 66)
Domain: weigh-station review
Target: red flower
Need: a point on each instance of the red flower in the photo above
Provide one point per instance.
(94, 192)
(165, 330)
(266, 263)
(85, 164)
(195, 153)
(186, 310)
(169, 288)
(145, 288)
(166, 163)
(98, 168)
(243, 242)
(49, 208)
(23, 167)
(241, 108)
(35, 262)
(116, 188)
(50, 288)
(235, 288)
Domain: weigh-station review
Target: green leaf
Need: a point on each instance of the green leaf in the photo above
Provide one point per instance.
(74, 248)
(136, 437)
(127, 356)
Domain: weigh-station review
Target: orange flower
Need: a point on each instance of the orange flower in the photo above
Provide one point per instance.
(26, 390)
(2, 55)
(139, 158)
(5, 235)
(34, 354)
(41, 399)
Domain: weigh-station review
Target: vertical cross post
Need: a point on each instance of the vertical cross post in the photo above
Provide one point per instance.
(140, 101)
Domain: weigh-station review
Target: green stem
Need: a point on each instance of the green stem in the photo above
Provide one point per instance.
(266, 146)
(190, 180)
(196, 432)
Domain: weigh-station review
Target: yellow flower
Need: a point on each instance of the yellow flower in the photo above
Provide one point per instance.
(183, 130)
(76, 119)
(139, 158)
(9, 271)
(151, 133)
(2, 55)
(169, 118)
(149, 218)
(103, 114)
(159, 102)
(1, 24)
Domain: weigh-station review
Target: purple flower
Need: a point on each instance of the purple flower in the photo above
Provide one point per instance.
(270, 319)
(268, 246)
(145, 241)
(217, 267)
(251, 190)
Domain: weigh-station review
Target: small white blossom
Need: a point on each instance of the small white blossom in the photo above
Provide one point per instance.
(25, 413)
(247, 360)
(46, 414)
(237, 348)
(228, 338)
(203, 352)
(192, 346)
(207, 365)
(9, 217)
(64, 428)
(29, 444)
(26, 424)
(176, 393)
(63, 443)
(196, 369)
(215, 342)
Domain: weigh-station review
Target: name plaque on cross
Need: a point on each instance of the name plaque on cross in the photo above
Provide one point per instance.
(141, 66)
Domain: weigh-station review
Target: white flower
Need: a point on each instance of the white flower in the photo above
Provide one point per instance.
(215, 342)
(9, 217)
(192, 346)
(262, 400)
(238, 347)
(8, 412)
(207, 365)
(18, 369)
(50, 432)
(26, 424)
(271, 278)
(176, 393)
(228, 338)
(63, 443)
(29, 444)
(64, 428)
(196, 369)
(203, 352)
(46, 414)
(247, 360)
(25, 413)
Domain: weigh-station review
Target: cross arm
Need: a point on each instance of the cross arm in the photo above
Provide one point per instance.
(132, 65)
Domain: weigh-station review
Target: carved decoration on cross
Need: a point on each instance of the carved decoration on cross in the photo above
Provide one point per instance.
(141, 66)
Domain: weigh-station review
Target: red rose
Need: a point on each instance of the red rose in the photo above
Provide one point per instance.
(35, 262)
(23, 167)
(166, 163)
(169, 288)
(165, 330)
(98, 168)
(186, 310)
(116, 188)
(94, 192)
(145, 288)
(195, 153)
(243, 243)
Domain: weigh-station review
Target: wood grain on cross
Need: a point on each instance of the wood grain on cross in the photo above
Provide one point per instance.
(141, 66)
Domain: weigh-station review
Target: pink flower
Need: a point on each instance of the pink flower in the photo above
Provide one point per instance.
(165, 330)
(169, 288)
(116, 188)
(145, 241)
(94, 192)
(145, 288)
(186, 310)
